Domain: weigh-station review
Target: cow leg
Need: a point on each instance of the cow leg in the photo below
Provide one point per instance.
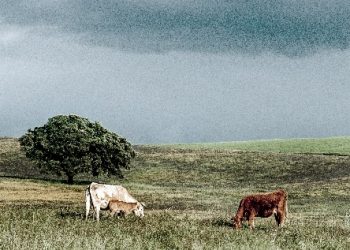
(87, 204)
(87, 211)
(97, 209)
(280, 217)
(281, 213)
(113, 213)
(251, 221)
(277, 218)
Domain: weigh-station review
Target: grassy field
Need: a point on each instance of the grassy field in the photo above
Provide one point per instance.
(335, 145)
(191, 191)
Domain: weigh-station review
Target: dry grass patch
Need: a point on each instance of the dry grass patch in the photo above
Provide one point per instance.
(27, 191)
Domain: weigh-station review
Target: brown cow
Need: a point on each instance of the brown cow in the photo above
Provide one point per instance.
(124, 208)
(262, 205)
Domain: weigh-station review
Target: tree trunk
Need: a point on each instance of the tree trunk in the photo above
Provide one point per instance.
(70, 179)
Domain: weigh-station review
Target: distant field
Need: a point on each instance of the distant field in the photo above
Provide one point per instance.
(191, 192)
(333, 145)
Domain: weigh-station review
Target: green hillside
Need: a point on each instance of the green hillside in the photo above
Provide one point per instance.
(332, 145)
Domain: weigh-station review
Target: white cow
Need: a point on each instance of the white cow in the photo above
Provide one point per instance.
(99, 195)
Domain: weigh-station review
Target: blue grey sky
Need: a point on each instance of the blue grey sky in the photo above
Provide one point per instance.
(170, 71)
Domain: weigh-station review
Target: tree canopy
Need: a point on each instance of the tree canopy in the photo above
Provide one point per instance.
(70, 144)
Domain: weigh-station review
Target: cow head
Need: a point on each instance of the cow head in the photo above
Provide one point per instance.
(236, 222)
(139, 210)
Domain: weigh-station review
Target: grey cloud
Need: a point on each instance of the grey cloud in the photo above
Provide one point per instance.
(71, 56)
(152, 98)
(287, 27)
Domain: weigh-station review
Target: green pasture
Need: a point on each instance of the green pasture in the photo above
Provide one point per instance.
(191, 191)
(334, 145)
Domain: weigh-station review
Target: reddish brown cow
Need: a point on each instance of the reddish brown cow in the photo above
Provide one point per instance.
(262, 205)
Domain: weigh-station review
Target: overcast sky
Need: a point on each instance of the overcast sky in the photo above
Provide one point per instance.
(169, 71)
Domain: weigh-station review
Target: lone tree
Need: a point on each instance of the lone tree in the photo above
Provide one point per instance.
(69, 144)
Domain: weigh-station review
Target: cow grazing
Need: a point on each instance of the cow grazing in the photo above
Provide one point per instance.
(99, 196)
(124, 208)
(262, 205)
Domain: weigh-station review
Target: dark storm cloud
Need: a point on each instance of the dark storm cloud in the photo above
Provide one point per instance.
(66, 56)
(287, 27)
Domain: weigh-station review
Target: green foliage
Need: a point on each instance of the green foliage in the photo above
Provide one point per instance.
(71, 144)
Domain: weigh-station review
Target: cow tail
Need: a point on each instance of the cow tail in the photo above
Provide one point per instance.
(286, 205)
(91, 200)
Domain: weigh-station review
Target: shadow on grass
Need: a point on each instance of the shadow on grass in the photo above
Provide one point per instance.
(217, 222)
(68, 213)
(227, 223)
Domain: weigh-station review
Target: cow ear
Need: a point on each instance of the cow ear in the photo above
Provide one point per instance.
(143, 204)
